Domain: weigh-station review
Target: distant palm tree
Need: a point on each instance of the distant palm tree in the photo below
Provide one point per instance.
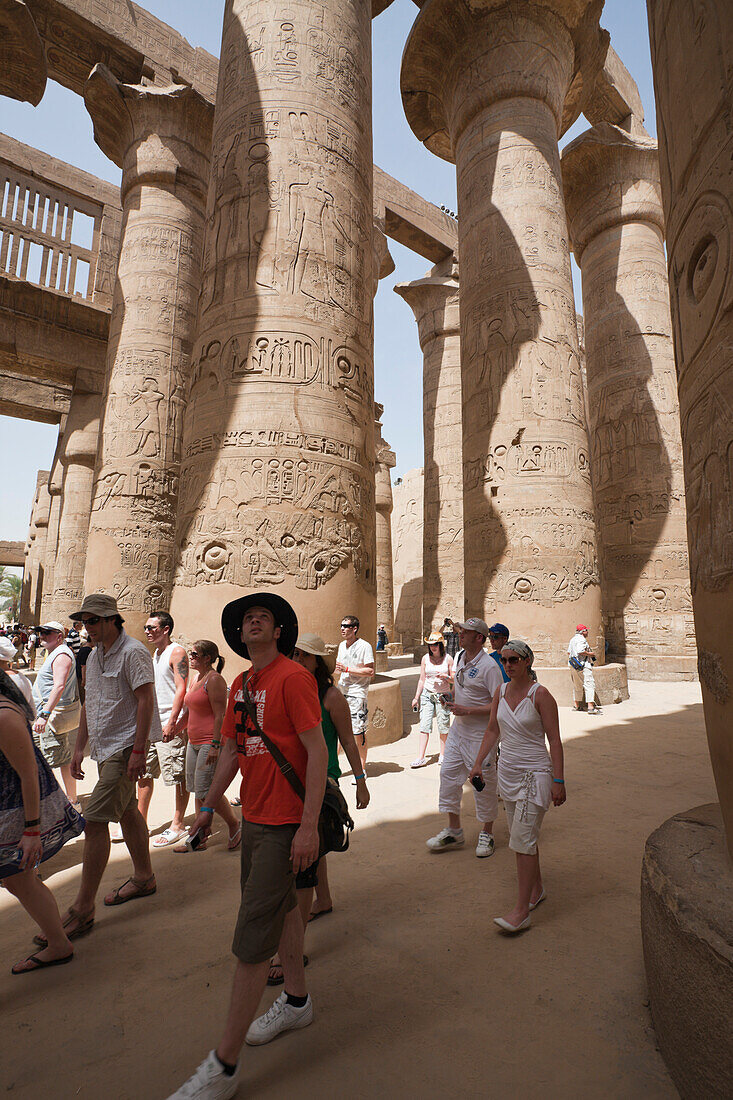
(10, 589)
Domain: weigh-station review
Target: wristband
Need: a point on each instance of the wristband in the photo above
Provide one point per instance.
(362, 776)
(31, 832)
(216, 744)
(35, 821)
(138, 752)
(45, 714)
(206, 810)
(560, 781)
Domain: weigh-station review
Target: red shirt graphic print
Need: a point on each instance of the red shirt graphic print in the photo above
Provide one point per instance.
(286, 699)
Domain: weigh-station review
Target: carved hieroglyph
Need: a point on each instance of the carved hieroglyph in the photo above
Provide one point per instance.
(22, 57)
(692, 44)
(491, 86)
(77, 456)
(407, 550)
(385, 461)
(614, 206)
(277, 480)
(161, 138)
(435, 302)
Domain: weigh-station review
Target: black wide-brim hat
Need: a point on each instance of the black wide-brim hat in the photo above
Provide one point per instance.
(285, 618)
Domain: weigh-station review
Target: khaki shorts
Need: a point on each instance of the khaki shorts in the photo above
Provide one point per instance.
(114, 791)
(268, 890)
(56, 741)
(167, 758)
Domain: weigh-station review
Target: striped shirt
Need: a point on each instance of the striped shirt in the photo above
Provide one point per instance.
(110, 702)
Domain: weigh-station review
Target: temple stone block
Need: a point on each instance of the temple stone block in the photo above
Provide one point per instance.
(77, 456)
(614, 206)
(161, 139)
(277, 481)
(22, 57)
(492, 86)
(687, 880)
(435, 302)
(385, 461)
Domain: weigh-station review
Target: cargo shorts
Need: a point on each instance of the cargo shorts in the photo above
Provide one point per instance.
(268, 890)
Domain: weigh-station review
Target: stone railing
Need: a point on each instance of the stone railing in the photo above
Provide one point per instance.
(59, 227)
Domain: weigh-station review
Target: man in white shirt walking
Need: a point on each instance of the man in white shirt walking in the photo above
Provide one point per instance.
(355, 663)
(476, 680)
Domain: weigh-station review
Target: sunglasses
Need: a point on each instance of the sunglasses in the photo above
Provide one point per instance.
(49, 632)
(194, 653)
(509, 660)
(348, 626)
(92, 620)
(149, 628)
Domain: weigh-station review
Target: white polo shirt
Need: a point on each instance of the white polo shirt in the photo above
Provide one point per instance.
(480, 678)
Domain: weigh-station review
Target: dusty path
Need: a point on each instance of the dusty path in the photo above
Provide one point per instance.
(416, 994)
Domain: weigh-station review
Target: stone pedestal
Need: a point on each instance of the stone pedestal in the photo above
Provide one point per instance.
(277, 482)
(687, 930)
(435, 302)
(612, 683)
(614, 207)
(385, 712)
(77, 455)
(160, 137)
(491, 87)
(385, 461)
(22, 57)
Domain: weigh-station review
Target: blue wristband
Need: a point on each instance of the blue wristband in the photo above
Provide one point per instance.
(362, 776)
(206, 810)
(561, 781)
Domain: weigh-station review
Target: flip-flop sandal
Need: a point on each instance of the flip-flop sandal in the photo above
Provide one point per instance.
(319, 914)
(143, 891)
(234, 841)
(169, 836)
(419, 763)
(84, 925)
(279, 979)
(40, 964)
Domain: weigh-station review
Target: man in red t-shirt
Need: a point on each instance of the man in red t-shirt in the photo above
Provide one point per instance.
(280, 832)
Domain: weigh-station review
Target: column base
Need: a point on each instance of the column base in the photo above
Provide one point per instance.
(385, 712)
(653, 666)
(687, 932)
(394, 649)
(612, 685)
(381, 661)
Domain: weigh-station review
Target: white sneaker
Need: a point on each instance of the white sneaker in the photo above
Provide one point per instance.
(281, 1017)
(445, 840)
(209, 1082)
(485, 846)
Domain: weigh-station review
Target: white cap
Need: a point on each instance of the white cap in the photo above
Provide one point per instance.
(53, 625)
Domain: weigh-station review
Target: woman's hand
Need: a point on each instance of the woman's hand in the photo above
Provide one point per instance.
(558, 793)
(212, 756)
(414, 702)
(32, 850)
(362, 794)
(476, 770)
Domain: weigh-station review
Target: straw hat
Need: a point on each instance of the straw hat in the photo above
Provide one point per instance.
(434, 637)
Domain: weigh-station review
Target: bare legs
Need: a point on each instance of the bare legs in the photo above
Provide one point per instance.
(40, 904)
(144, 795)
(68, 781)
(324, 900)
(529, 886)
(180, 809)
(96, 856)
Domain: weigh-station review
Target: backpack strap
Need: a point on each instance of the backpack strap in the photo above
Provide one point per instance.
(280, 759)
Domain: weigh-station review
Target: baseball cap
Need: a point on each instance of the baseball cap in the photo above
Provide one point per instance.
(475, 624)
(99, 603)
(499, 628)
(53, 625)
(581, 626)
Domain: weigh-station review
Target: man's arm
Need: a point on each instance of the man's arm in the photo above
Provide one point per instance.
(81, 743)
(490, 737)
(306, 843)
(60, 668)
(179, 664)
(145, 695)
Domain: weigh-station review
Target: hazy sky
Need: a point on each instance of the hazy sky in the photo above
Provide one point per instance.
(61, 126)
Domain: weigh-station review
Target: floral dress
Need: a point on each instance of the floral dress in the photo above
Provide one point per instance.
(60, 822)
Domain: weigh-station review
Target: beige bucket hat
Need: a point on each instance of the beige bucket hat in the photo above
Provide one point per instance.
(314, 643)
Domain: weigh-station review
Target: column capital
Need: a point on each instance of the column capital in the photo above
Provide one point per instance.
(610, 178)
(23, 69)
(465, 55)
(155, 135)
(42, 510)
(435, 302)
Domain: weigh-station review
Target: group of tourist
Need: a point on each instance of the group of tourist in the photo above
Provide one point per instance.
(146, 716)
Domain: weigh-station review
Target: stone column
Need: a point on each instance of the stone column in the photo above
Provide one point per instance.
(55, 490)
(385, 461)
(23, 69)
(277, 484)
(77, 456)
(491, 87)
(435, 302)
(36, 545)
(614, 206)
(161, 138)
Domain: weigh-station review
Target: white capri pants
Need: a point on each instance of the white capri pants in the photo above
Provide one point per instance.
(583, 684)
(524, 820)
(460, 756)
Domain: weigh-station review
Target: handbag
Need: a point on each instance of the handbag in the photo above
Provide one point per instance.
(334, 822)
(576, 664)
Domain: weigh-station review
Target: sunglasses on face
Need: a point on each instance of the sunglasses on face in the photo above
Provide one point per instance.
(348, 626)
(92, 620)
(509, 660)
(43, 633)
(148, 628)
(194, 653)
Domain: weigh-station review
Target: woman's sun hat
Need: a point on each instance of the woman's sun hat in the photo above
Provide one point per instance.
(434, 637)
(315, 645)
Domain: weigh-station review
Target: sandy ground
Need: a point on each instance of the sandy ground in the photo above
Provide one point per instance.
(415, 991)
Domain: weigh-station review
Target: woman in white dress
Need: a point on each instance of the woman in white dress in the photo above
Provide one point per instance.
(531, 779)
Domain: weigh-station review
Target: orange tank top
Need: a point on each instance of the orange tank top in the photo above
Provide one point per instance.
(200, 714)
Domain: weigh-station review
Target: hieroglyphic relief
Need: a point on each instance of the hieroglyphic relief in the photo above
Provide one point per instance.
(279, 432)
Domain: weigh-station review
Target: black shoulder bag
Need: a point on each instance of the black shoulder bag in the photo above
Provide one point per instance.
(335, 822)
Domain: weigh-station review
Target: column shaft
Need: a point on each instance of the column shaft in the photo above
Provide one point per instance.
(385, 462)
(277, 484)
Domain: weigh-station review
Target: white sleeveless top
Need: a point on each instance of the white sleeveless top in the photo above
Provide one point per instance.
(436, 674)
(525, 769)
(165, 682)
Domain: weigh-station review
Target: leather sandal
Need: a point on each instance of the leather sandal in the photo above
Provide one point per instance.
(142, 890)
(84, 925)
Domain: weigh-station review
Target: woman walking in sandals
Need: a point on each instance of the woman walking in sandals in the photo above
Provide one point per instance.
(530, 779)
(36, 820)
(436, 678)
